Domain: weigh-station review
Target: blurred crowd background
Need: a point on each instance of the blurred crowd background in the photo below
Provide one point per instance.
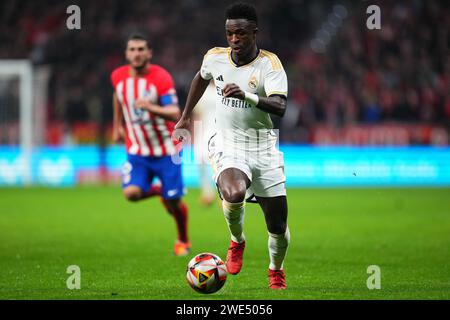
(345, 80)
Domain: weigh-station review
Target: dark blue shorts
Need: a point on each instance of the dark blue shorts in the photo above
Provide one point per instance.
(140, 171)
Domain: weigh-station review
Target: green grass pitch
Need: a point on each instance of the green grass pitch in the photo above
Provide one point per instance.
(124, 249)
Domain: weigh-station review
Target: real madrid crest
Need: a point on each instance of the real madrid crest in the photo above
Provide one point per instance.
(253, 83)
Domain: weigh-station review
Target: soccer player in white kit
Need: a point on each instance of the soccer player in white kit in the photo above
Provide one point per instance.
(250, 83)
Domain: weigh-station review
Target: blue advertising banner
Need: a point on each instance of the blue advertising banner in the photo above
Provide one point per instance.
(305, 166)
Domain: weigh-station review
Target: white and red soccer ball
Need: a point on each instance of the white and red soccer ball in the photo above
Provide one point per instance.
(206, 273)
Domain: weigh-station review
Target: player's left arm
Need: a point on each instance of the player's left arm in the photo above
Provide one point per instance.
(168, 101)
(169, 112)
(275, 104)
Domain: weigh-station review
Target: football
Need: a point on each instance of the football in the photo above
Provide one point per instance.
(206, 273)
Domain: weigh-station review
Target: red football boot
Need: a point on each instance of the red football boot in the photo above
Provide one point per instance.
(277, 279)
(181, 249)
(234, 257)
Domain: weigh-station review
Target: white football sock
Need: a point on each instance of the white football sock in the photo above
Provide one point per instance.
(278, 244)
(234, 215)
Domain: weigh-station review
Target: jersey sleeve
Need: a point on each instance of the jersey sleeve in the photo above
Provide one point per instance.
(166, 89)
(205, 70)
(118, 75)
(113, 79)
(275, 82)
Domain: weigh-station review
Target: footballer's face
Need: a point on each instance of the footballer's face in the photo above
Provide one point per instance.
(241, 36)
(138, 53)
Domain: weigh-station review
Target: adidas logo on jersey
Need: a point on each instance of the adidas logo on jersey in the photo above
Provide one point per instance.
(219, 78)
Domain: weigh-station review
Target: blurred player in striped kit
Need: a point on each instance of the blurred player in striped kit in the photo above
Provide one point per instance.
(145, 110)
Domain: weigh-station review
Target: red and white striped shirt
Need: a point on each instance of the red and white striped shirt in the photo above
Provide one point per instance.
(146, 133)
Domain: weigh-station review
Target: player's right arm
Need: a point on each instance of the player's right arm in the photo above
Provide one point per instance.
(198, 87)
(118, 133)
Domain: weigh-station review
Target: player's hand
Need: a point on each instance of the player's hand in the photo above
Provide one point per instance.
(143, 104)
(182, 128)
(118, 134)
(183, 123)
(233, 91)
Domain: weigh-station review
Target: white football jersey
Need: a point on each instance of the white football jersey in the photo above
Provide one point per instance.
(263, 76)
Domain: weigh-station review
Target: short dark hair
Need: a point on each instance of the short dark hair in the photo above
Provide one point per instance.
(241, 10)
(138, 36)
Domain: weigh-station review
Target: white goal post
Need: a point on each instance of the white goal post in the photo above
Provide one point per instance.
(23, 71)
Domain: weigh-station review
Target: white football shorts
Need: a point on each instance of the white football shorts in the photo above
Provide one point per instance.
(265, 169)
